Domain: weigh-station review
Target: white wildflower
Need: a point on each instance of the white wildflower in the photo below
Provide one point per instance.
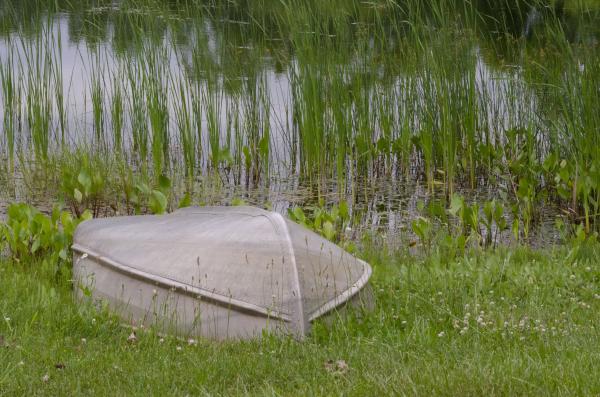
(132, 338)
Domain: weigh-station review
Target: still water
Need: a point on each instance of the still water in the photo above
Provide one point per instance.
(264, 93)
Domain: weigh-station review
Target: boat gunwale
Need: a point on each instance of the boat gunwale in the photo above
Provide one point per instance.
(345, 296)
(180, 287)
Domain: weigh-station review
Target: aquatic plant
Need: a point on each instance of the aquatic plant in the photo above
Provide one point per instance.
(30, 234)
(456, 95)
(330, 223)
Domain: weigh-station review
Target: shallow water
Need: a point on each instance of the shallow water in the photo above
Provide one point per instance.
(249, 76)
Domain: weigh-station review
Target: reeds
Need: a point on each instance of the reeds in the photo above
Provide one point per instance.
(9, 96)
(456, 94)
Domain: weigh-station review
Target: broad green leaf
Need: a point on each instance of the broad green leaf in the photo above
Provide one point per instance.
(185, 201)
(158, 202)
(143, 188)
(164, 184)
(77, 195)
(35, 245)
(328, 230)
(515, 229)
(299, 215)
(456, 204)
(86, 182)
(87, 214)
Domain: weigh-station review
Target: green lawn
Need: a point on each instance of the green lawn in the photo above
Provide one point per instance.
(513, 322)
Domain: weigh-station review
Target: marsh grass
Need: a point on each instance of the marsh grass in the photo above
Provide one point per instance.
(9, 96)
(117, 116)
(512, 322)
(459, 95)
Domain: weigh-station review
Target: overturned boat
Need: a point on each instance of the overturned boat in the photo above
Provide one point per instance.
(217, 272)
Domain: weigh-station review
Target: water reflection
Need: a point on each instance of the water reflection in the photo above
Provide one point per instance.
(266, 67)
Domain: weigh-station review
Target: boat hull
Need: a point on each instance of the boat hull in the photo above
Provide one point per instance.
(113, 263)
(143, 302)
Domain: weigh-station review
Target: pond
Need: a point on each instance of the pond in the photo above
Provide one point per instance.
(388, 106)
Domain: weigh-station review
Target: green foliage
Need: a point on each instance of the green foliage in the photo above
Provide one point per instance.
(83, 183)
(582, 246)
(146, 198)
(185, 201)
(236, 202)
(451, 230)
(422, 228)
(368, 90)
(97, 184)
(330, 224)
(493, 213)
(578, 188)
(31, 234)
(483, 223)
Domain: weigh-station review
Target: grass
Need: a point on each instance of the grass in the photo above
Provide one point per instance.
(537, 312)
(215, 96)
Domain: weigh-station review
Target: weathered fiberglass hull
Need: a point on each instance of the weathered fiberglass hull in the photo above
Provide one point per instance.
(217, 272)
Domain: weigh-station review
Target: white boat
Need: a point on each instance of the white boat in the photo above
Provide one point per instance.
(216, 272)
